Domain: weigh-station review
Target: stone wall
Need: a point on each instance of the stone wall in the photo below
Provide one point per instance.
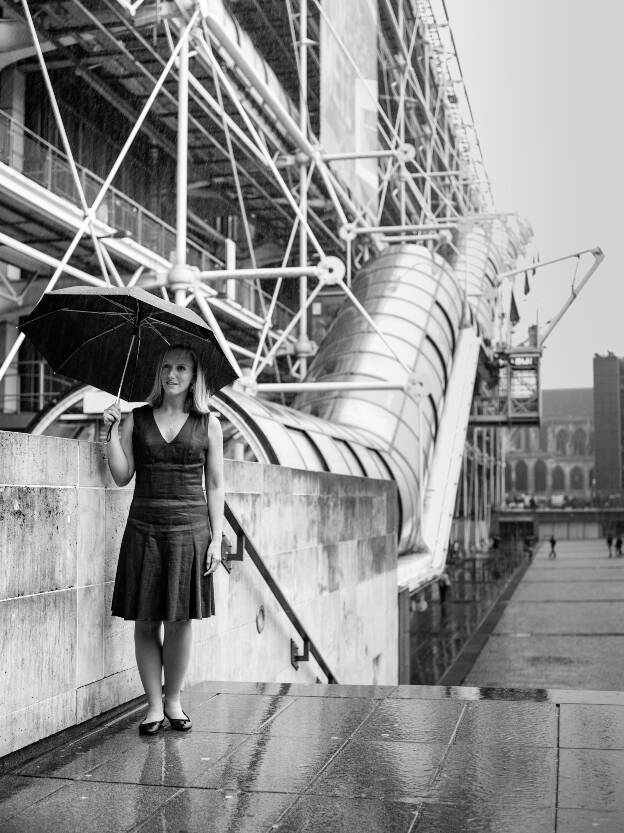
(329, 540)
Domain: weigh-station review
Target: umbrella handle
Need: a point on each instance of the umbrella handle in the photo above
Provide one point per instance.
(110, 431)
(123, 376)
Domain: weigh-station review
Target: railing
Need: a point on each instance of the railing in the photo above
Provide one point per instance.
(37, 159)
(40, 161)
(244, 544)
(491, 567)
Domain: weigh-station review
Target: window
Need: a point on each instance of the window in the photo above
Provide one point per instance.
(562, 441)
(558, 479)
(579, 443)
(539, 474)
(577, 478)
(522, 476)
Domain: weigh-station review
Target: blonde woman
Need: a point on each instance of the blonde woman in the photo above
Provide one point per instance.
(172, 542)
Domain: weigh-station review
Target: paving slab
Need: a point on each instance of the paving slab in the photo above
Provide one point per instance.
(563, 627)
(415, 759)
(532, 742)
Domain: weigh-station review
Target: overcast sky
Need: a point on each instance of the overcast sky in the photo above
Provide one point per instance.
(544, 78)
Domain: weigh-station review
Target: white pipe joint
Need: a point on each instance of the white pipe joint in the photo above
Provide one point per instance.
(181, 276)
(331, 271)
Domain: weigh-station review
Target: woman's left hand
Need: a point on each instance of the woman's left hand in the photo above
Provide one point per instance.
(213, 556)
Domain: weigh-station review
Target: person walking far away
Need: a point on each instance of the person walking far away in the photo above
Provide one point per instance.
(444, 582)
(553, 551)
(172, 541)
(610, 545)
(618, 547)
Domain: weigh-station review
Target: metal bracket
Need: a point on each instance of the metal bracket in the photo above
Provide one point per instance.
(296, 658)
(239, 555)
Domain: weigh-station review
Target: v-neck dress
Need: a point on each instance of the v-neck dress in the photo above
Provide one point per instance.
(163, 549)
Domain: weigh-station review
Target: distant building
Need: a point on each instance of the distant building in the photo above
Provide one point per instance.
(608, 393)
(556, 459)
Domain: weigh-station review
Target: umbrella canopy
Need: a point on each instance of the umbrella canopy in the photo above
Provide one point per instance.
(101, 336)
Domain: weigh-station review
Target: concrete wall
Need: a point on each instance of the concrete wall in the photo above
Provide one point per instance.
(329, 540)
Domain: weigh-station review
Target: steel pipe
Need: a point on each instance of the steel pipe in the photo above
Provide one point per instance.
(302, 387)
(260, 273)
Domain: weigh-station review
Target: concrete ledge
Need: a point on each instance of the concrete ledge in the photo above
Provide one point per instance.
(325, 538)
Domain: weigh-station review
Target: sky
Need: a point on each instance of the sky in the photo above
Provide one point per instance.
(544, 80)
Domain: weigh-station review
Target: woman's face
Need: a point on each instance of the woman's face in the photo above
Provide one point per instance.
(177, 373)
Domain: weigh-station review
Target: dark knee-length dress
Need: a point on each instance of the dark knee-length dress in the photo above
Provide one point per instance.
(163, 549)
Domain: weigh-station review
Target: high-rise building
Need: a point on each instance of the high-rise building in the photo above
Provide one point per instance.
(609, 445)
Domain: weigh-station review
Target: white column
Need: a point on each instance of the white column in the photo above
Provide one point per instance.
(10, 385)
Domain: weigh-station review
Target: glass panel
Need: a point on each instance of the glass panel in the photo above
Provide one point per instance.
(328, 447)
(283, 446)
(354, 464)
(307, 449)
(372, 466)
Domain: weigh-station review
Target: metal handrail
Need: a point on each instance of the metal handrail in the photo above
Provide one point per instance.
(18, 148)
(38, 159)
(243, 543)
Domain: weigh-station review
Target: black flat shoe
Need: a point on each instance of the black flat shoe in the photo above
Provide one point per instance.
(180, 724)
(152, 728)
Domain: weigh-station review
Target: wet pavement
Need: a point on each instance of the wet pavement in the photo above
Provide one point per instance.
(564, 625)
(518, 756)
(439, 634)
(306, 759)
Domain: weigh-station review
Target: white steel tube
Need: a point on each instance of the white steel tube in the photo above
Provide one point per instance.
(599, 257)
(295, 387)
(218, 332)
(106, 185)
(303, 182)
(41, 257)
(401, 229)
(63, 134)
(277, 272)
(182, 156)
(365, 154)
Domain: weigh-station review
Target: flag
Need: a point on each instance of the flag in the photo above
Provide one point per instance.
(527, 287)
(514, 315)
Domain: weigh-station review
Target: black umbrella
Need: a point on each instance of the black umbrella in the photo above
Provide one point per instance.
(112, 338)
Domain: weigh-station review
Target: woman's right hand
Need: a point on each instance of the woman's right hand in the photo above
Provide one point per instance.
(112, 414)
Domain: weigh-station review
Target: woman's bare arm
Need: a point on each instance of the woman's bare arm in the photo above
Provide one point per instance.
(119, 452)
(215, 488)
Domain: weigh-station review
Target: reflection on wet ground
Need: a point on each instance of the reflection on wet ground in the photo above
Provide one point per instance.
(266, 757)
(439, 633)
(331, 759)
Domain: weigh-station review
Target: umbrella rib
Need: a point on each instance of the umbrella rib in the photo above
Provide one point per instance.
(83, 344)
(128, 315)
(180, 329)
(147, 323)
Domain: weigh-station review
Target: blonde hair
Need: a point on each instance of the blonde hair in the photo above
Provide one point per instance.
(198, 396)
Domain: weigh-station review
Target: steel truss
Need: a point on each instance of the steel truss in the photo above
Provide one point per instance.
(230, 110)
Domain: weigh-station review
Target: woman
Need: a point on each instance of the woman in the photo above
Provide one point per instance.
(171, 545)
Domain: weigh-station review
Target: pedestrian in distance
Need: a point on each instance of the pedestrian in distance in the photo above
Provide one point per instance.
(553, 551)
(610, 545)
(618, 547)
(171, 545)
(444, 582)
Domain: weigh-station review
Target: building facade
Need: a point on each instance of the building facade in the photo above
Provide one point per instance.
(556, 459)
(608, 387)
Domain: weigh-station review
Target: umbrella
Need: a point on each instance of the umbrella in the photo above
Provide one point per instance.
(113, 338)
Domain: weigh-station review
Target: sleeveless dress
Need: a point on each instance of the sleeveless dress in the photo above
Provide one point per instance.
(163, 549)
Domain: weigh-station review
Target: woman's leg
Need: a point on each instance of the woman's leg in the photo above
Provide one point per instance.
(176, 656)
(149, 657)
